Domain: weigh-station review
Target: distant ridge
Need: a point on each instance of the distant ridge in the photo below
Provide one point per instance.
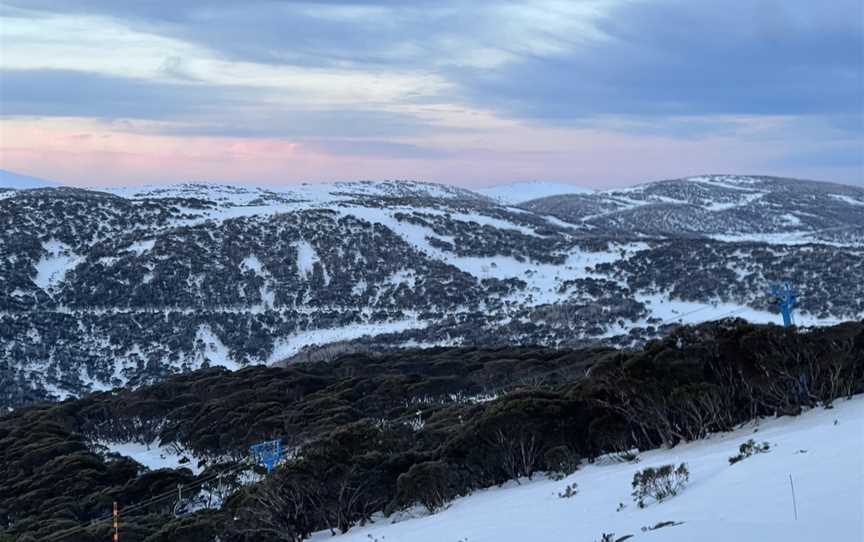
(9, 179)
(511, 194)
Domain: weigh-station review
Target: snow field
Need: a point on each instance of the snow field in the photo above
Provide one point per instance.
(56, 261)
(153, 456)
(526, 191)
(823, 450)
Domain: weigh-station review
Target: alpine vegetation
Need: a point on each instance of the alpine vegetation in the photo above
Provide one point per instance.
(749, 448)
(123, 287)
(506, 421)
(659, 483)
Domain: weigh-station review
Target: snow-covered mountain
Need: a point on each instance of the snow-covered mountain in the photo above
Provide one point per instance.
(515, 193)
(749, 501)
(101, 288)
(725, 207)
(9, 179)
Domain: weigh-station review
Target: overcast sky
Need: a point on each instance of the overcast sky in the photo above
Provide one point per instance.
(597, 93)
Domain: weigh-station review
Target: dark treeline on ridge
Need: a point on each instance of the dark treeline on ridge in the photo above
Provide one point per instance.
(381, 433)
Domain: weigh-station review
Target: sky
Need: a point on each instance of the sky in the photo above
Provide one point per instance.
(598, 93)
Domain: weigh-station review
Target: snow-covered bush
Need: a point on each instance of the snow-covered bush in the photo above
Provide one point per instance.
(659, 483)
(417, 423)
(749, 448)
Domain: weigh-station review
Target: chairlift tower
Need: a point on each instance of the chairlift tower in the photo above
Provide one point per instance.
(267, 453)
(786, 298)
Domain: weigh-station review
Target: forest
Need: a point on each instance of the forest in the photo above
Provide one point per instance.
(370, 435)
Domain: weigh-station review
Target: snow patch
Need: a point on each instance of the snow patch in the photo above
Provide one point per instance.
(214, 350)
(291, 345)
(307, 257)
(252, 263)
(746, 199)
(790, 219)
(677, 311)
(153, 456)
(359, 287)
(57, 260)
(406, 277)
(846, 199)
(140, 247)
(731, 182)
(515, 193)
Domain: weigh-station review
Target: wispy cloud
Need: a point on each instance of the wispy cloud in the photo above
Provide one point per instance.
(428, 85)
(189, 108)
(684, 58)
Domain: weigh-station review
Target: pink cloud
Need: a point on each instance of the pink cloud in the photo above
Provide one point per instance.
(88, 154)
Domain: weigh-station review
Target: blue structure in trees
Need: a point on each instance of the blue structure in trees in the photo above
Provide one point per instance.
(267, 453)
(786, 298)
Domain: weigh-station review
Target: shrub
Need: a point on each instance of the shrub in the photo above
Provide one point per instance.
(569, 491)
(749, 448)
(659, 483)
(661, 525)
(561, 462)
(429, 483)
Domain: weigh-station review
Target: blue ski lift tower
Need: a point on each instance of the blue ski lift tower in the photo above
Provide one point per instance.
(786, 298)
(267, 453)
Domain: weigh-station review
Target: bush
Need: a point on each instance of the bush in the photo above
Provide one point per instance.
(749, 448)
(659, 483)
(661, 525)
(570, 491)
(561, 462)
(429, 483)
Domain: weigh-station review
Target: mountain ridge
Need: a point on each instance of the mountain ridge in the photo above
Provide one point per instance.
(124, 286)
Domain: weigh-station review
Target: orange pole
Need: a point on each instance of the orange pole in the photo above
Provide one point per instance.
(116, 523)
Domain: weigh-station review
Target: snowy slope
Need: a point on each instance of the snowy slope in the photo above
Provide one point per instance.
(240, 275)
(730, 208)
(514, 193)
(302, 193)
(748, 501)
(9, 179)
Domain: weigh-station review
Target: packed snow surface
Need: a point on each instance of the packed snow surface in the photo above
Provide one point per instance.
(751, 500)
